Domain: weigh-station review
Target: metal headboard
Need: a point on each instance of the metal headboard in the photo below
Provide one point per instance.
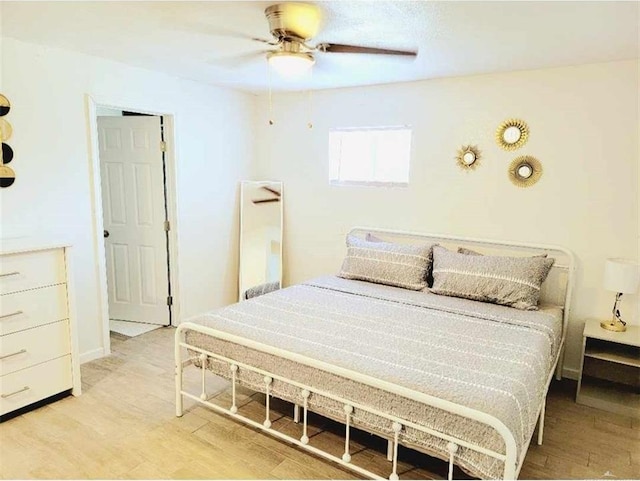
(557, 289)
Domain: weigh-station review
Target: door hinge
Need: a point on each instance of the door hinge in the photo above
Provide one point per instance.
(167, 226)
(169, 300)
(163, 146)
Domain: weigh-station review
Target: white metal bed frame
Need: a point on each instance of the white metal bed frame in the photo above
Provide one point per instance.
(512, 462)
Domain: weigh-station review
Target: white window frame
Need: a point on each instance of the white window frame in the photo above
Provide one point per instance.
(371, 183)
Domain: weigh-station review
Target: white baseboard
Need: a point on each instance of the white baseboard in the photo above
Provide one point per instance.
(92, 355)
(570, 373)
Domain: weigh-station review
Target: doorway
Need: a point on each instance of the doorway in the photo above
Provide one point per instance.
(135, 216)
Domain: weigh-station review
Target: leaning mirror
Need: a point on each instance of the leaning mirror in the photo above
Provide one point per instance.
(260, 238)
(525, 171)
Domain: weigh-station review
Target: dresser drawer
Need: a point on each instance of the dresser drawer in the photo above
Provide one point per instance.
(30, 270)
(27, 309)
(34, 346)
(25, 387)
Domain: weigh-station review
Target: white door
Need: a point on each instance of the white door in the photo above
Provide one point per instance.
(134, 213)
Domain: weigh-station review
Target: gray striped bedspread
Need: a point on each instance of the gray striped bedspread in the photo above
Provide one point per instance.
(491, 358)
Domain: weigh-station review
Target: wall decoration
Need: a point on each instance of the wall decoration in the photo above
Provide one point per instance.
(5, 106)
(512, 134)
(524, 171)
(468, 157)
(7, 153)
(7, 175)
(5, 130)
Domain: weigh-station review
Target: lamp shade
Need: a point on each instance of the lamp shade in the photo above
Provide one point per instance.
(621, 275)
(290, 65)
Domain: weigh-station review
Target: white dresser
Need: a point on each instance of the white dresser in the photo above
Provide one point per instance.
(38, 338)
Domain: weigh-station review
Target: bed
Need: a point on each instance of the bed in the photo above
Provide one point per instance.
(461, 380)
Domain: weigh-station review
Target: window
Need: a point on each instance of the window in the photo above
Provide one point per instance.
(370, 156)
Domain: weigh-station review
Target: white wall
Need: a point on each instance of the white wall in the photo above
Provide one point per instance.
(584, 130)
(102, 111)
(51, 195)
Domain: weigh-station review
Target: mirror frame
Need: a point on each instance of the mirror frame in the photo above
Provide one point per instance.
(462, 151)
(521, 125)
(259, 183)
(517, 163)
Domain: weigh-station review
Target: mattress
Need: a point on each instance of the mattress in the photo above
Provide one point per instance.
(491, 358)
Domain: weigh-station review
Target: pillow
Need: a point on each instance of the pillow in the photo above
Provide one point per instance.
(398, 265)
(470, 252)
(372, 238)
(509, 281)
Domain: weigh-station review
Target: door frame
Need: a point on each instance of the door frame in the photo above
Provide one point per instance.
(169, 118)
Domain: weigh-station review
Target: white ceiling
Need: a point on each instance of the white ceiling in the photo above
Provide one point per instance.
(194, 40)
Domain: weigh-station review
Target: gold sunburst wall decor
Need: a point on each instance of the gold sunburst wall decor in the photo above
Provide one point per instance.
(524, 171)
(468, 157)
(512, 134)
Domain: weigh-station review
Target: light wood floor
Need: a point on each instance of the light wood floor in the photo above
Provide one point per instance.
(123, 426)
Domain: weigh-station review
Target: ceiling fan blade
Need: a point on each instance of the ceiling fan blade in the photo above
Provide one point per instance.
(264, 201)
(219, 31)
(238, 61)
(268, 42)
(339, 48)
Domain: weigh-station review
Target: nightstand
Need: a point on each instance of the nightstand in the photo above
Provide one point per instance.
(610, 369)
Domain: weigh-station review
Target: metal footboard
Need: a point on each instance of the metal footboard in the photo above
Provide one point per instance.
(512, 462)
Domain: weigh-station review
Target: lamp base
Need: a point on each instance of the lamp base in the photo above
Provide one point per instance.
(613, 325)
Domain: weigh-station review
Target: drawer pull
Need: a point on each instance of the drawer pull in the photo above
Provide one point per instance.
(17, 313)
(14, 273)
(6, 356)
(5, 396)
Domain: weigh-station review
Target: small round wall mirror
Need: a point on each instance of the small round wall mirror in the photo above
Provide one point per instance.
(525, 171)
(468, 157)
(512, 134)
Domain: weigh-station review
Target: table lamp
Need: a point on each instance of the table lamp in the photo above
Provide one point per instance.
(622, 277)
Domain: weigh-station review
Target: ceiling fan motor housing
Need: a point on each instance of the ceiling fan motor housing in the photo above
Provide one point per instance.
(293, 21)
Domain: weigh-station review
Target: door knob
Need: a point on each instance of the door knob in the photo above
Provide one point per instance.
(106, 234)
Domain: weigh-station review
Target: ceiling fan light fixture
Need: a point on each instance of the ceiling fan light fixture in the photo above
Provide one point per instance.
(290, 65)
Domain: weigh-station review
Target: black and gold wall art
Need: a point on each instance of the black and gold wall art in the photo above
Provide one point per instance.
(7, 175)
(7, 153)
(6, 131)
(5, 105)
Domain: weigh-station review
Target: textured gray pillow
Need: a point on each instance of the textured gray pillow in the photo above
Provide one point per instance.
(471, 252)
(372, 238)
(510, 281)
(387, 263)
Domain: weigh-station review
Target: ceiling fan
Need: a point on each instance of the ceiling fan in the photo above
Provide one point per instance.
(292, 26)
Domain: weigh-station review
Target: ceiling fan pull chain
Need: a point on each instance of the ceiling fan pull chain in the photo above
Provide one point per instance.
(310, 95)
(271, 122)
